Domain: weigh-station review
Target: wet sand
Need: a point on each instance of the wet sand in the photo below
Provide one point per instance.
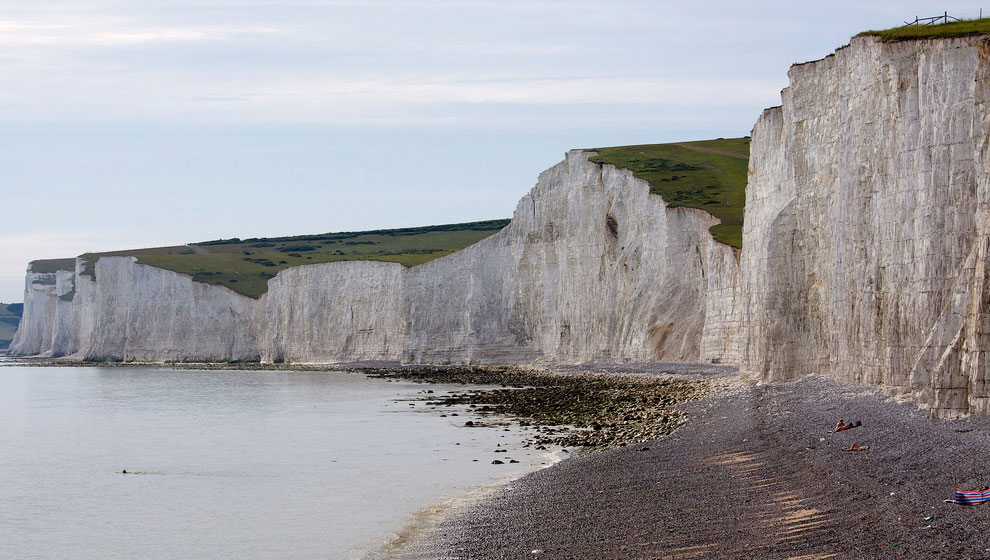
(752, 474)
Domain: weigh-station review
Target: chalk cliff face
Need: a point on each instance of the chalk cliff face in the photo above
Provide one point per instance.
(34, 333)
(592, 267)
(332, 312)
(866, 232)
(134, 312)
(865, 258)
(145, 313)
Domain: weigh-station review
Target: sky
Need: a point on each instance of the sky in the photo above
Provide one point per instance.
(134, 124)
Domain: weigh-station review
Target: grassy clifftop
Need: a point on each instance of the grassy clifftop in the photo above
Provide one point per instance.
(245, 265)
(942, 30)
(51, 266)
(710, 175)
(10, 317)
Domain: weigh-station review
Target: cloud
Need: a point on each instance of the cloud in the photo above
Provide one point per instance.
(376, 61)
(537, 90)
(111, 32)
(223, 98)
(417, 100)
(346, 99)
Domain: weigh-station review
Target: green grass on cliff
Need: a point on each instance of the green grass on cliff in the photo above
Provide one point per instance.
(10, 317)
(710, 175)
(245, 265)
(53, 265)
(943, 30)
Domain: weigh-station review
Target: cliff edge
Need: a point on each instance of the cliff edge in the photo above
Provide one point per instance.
(866, 232)
(592, 267)
(864, 258)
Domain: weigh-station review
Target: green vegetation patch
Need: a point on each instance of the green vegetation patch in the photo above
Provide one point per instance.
(246, 265)
(710, 175)
(943, 30)
(52, 266)
(10, 317)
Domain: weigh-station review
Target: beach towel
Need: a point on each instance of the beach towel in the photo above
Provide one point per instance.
(971, 497)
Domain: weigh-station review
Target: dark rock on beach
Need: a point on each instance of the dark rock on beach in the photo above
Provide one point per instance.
(583, 409)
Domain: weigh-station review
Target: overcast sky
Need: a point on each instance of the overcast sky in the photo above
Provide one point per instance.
(130, 124)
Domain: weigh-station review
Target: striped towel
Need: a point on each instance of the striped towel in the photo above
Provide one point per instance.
(971, 497)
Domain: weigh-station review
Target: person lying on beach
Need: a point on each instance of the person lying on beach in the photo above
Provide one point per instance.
(843, 426)
(857, 447)
(971, 497)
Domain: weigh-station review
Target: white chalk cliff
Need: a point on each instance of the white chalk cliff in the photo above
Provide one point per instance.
(866, 257)
(592, 267)
(866, 232)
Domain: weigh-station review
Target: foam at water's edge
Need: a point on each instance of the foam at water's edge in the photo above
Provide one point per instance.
(414, 539)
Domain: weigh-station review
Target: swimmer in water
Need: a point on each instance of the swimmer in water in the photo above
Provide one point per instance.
(123, 471)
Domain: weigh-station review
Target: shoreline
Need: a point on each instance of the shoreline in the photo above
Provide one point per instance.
(754, 466)
(752, 474)
(627, 403)
(336, 461)
(589, 406)
(447, 466)
(425, 521)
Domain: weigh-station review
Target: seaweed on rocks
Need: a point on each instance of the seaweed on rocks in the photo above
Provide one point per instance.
(570, 410)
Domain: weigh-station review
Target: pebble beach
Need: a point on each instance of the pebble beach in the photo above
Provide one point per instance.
(752, 473)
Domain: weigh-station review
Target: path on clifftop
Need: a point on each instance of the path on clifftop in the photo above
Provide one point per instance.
(748, 477)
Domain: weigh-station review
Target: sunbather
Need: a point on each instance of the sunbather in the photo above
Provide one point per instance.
(841, 426)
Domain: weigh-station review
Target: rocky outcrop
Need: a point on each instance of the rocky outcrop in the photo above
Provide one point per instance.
(592, 267)
(866, 232)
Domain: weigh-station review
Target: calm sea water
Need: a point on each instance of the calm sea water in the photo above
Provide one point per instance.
(231, 464)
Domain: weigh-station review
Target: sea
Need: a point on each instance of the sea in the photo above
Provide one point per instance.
(232, 464)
